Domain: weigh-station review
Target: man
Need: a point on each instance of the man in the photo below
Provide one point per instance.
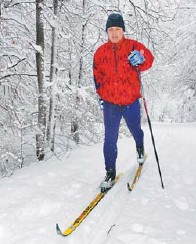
(117, 67)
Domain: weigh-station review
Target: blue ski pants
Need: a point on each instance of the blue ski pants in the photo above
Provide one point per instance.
(112, 117)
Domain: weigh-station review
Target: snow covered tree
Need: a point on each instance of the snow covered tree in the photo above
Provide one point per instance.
(17, 85)
(46, 83)
(184, 90)
(176, 93)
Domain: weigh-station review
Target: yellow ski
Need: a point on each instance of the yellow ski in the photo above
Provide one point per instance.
(137, 175)
(85, 213)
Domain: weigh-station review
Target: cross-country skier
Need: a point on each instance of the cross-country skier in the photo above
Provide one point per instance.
(117, 64)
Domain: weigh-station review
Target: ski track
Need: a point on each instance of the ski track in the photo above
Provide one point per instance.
(35, 198)
(110, 215)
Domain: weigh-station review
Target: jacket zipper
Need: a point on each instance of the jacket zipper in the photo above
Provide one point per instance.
(115, 59)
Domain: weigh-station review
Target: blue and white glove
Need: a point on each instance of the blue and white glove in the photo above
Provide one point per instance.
(101, 103)
(136, 58)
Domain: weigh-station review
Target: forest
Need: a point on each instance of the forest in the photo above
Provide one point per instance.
(48, 102)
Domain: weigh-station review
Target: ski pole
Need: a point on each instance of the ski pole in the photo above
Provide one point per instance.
(151, 132)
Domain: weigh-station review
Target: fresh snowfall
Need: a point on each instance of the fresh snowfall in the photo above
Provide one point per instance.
(37, 197)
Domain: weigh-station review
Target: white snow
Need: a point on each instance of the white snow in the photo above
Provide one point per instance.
(37, 197)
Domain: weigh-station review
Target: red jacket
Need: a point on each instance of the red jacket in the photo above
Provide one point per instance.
(115, 79)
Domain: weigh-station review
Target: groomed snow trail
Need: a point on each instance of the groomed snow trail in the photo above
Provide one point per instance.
(35, 198)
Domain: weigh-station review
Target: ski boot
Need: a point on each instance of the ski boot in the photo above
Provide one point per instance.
(108, 182)
(140, 155)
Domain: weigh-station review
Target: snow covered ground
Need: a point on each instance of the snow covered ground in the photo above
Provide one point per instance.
(35, 198)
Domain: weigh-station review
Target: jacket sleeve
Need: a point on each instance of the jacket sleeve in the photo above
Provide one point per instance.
(98, 74)
(96, 71)
(149, 58)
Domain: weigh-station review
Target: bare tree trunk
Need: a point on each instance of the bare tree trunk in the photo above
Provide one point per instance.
(81, 56)
(75, 121)
(75, 131)
(82, 46)
(53, 70)
(40, 138)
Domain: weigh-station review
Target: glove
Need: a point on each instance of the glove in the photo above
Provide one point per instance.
(101, 103)
(135, 58)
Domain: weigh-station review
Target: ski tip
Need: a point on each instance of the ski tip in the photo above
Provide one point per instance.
(65, 233)
(58, 230)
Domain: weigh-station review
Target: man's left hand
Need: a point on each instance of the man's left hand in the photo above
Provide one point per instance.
(136, 58)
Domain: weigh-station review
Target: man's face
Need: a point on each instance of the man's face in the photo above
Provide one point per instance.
(115, 34)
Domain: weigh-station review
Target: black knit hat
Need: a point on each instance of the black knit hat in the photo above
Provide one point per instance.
(115, 20)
